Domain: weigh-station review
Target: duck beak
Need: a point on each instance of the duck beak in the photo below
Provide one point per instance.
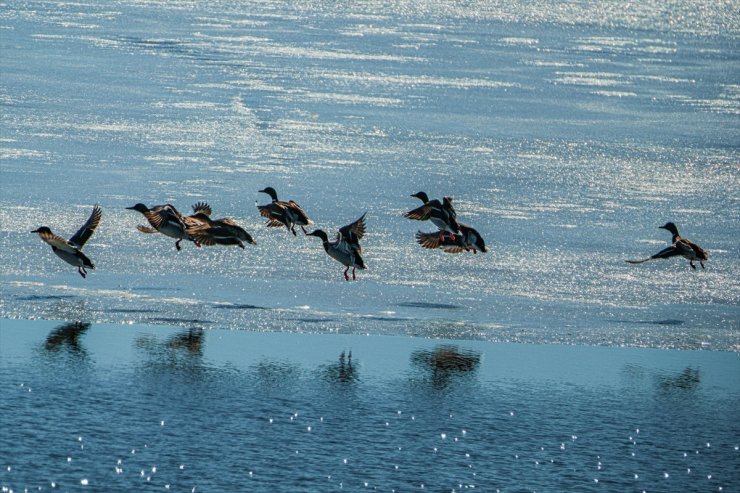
(35, 231)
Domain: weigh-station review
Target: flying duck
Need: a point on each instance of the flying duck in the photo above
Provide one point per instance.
(468, 240)
(166, 219)
(680, 247)
(71, 251)
(442, 214)
(224, 231)
(279, 213)
(346, 249)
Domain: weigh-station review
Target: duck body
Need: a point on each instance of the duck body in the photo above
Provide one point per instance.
(346, 248)
(680, 247)
(441, 214)
(279, 213)
(468, 240)
(165, 219)
(71, 250)
(222, 231)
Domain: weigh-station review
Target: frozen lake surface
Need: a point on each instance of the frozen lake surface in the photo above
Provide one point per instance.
(102, 407)
(565, 133)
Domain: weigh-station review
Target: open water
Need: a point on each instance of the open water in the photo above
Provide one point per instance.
(100, 407)
(566, 132)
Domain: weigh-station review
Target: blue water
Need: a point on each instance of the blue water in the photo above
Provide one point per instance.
(566, 132)
(102, 407)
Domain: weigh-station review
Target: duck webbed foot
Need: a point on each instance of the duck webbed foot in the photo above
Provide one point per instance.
(354, 277)
(82, 272)
(177, 245)
(346, 277)
(692, 265)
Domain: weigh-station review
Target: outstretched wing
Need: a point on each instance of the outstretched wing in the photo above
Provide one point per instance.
(428, 240)
(273, 212)
(58, 242)
(433, 241)
(201, 236)
(85, 232)
(422, 213)
(159, 217)
(678, 249)
(447, 204)
(202, 207)
(638, 261)
(146, 229)
(353, 233)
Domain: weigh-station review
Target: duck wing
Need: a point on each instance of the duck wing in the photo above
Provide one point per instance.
(58, 242)
(353, 233)
(85, 232)
(421, 213)
(300, 215)
(700, 253)
(428, 240)
(161, 216)
(273, 212)
(146, 229)
(225, 231)
(681, 248)
(447, 205)
(202, 207)
(202, 236)
(432, 241)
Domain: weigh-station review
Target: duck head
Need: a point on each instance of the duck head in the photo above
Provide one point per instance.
(320, 233)
(670, 227)
(421, 196)
(42, 230)
(139, 207)
(271, 192)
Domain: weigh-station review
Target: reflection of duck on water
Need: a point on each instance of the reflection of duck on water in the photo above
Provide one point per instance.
(343, 371)
(66, 335)
(688, 379)
(445, 362)
(192, 341)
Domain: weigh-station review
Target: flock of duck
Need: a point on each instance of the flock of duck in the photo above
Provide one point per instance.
(452, 236)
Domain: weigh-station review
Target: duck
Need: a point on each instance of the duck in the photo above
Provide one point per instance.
(224, 231)
(680, 247)
(442, 214)
(71, 250)
(279, 213)
(166, 219)
(468, 240)
(346, 248)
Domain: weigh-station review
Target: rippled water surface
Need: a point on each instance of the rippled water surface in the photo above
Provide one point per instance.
(102, 407)
(565, 133)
